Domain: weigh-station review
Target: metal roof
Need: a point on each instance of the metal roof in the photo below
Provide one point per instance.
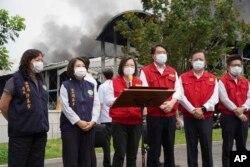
(107, 34)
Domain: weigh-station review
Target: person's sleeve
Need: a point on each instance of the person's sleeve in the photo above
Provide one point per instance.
(177, 93)
(9, 86)
(66, 109)
(183, 99)
(101, 93)
(143, 78)
(247, 103)
(110, 97)
(96, 108)
(225, 99)
(214, 99)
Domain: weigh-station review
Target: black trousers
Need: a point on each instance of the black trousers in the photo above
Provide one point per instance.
(199, 130)
(78, 148)
(27, 151)
(106, 147)
(232, 129)
(126, 139)
(161, 131)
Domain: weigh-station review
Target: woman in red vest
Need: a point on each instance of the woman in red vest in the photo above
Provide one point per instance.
(199, 96)
(234, 104)
(126, 121)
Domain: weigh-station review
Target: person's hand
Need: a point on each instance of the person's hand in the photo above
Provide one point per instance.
(145, 111)
(81, 124)
(243, 117)
(179, 122)
(167, 106)
(238, 111)
(198, 113)
(89, 126)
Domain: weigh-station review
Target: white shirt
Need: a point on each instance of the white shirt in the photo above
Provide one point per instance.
(209, 105)
(102, 92)
(176, 95)
(68, 111)
(91, 79)
(110, 96)
(227, 102)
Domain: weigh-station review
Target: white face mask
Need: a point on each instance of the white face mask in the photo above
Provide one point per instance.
(161, 58)
(198, 64)
(37, 66)
(236, 70)
(128, 71)
(80, 72)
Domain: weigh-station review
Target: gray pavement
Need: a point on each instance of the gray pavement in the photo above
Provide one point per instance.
(180, 156)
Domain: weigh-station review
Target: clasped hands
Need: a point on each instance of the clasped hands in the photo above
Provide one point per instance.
(167, 106)
(84, 125)
(198, 113)
(239, 113)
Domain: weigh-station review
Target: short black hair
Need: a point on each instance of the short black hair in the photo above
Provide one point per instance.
(108, 73)
(198, 51)
(70, 68)
(232, 58)
(86, 62)
(153, 49)
(122, 64)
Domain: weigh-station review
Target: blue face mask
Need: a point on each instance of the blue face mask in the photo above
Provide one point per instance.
(161, 58)
(198, 64)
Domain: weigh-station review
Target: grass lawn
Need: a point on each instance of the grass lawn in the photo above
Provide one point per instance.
(54, 146)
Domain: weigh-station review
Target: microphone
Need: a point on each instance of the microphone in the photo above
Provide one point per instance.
(130, 78)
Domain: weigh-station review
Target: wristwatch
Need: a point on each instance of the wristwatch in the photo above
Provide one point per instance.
(203, 109)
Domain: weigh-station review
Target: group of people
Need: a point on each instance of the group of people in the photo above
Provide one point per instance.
(24, 103)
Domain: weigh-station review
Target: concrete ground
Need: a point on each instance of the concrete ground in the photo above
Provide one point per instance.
(180, 156)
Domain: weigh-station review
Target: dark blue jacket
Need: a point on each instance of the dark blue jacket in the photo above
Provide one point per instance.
(81, 99)
(28, 110)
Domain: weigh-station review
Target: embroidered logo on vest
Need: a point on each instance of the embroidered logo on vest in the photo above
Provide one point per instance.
(26, 92)
(211, 79)
(172, 75)
(73, 97)
(91, 93)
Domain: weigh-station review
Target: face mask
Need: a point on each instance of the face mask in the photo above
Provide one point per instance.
(128, 71)
(235, 71)
(198, 64)
(161, 58)
(80, 72)
(37, 66)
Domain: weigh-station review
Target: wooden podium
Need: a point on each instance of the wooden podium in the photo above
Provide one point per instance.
(142, 97)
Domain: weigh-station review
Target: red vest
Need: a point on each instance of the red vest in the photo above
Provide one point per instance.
(156, 79)
(237, 93)
(197, 91)
(126, 115)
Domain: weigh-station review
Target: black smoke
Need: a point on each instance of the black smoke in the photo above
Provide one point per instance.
(63, 42)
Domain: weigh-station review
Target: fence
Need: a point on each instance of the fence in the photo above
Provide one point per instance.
(54, 123)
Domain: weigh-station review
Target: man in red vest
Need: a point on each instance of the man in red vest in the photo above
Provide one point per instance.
(234, 104)
(199, 95)
(161, 120)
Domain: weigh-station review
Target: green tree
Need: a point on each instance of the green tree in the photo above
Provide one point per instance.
(10, 26)
(184, 26)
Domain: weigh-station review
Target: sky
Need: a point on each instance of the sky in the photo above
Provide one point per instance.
(62, 29)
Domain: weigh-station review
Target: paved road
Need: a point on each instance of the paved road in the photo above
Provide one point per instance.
(180, 157)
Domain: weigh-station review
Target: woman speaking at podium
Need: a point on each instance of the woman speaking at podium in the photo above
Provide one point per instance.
(126, 121)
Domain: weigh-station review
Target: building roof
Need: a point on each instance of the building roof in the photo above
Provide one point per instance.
(107, 34)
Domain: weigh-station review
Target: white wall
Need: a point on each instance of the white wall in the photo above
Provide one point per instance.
(54, 123)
